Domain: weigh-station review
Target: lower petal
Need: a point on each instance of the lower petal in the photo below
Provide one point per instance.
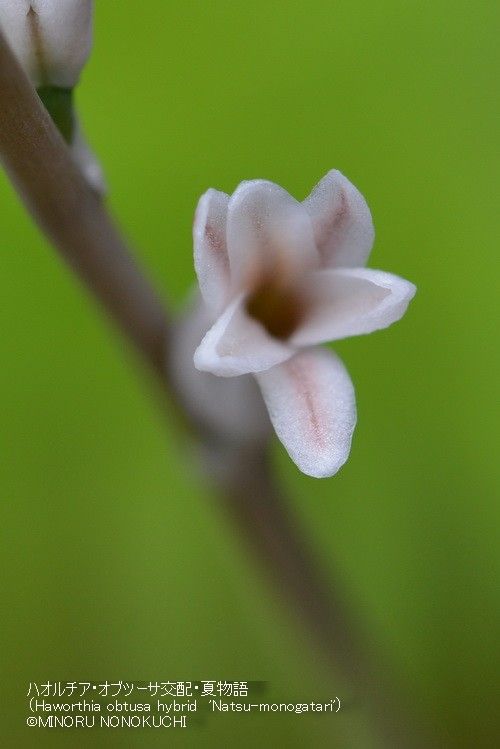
(237, 345)
(231, 409)
(312, 406)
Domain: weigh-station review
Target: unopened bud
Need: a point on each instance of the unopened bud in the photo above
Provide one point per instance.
(52, 41)
(51, 38)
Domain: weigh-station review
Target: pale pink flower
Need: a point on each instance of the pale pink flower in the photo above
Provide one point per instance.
(278, 278)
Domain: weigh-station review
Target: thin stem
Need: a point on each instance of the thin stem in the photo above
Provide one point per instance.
(75, 220)
(262, 513)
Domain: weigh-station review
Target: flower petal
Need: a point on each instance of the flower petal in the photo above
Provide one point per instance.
(65, 31)
(14, 25)
(311, 403)
(347, 302)
(269, 233)
(230, 408)
(342, 222)
(237, 344)
(210, 251)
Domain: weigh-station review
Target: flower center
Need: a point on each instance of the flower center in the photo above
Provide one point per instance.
(278, 308)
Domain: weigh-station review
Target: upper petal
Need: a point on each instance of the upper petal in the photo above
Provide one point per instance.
(237, 344)
(351, 301)
(210, 250)
(342, 222)
(311, 403)
(269, 233)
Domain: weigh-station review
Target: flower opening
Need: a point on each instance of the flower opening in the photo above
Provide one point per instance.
(279, 308)
(279, 278)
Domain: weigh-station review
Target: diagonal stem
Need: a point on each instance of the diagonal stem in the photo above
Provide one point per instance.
(75, 220)
(262, 515)
(71, 215)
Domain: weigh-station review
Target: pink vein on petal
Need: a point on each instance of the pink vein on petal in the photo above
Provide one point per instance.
(214, 238)
(335, 222)
(304, 382)
(217, 244)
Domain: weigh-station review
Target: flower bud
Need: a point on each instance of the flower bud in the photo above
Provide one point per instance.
(51, 38)
(52, 41)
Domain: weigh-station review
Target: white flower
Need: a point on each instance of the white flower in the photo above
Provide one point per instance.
(279, 277)
(51, 38)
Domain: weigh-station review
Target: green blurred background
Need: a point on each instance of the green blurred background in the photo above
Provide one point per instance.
(116, 563)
